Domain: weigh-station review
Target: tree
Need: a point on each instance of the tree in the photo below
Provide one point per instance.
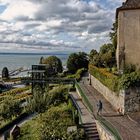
(113, 34)
(77, 61)
(41, 60)
(54, 65)
(5, 73)
(107, 55)
(94, 58)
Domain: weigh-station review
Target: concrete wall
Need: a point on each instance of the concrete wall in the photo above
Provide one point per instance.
(128, 49)
(116, 100)
(103, 133)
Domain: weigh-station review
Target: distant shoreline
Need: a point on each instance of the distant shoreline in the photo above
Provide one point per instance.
(16, 60)
(5, 53)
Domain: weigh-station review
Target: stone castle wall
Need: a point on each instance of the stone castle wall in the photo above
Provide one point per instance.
(128, 49)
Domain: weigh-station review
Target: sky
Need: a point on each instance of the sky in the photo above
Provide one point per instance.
(42, 26)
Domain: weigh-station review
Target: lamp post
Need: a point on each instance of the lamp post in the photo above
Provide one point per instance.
(89, 79)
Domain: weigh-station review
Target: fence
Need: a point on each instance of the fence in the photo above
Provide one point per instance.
(84, 97)
(107, 125)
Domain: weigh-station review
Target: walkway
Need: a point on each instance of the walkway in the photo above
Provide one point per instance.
(88, 121)
(20, 123)
(128, 129)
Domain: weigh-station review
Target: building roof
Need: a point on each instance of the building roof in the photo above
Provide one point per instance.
(129, 5)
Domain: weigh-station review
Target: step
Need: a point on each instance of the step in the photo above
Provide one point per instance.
(91, 133)
(89, 125)
(90, 128)
(94, 137)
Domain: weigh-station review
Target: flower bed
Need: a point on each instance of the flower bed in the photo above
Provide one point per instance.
(15, 91)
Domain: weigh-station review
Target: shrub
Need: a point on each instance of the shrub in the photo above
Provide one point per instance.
(9, 108)
(129, 68)
(78, 74)
(15, 91)
(107, 78)
(113, 82)
(129, 80)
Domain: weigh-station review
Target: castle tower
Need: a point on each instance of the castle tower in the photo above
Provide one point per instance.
(128, 40)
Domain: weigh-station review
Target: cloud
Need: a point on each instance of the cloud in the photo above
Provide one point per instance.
(34, 23)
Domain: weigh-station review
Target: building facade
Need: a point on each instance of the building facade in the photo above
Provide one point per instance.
(128, 34)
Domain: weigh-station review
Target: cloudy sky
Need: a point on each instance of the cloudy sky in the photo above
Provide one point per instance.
(55, 25)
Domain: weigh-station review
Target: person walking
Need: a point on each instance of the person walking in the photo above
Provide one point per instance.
(100, 107)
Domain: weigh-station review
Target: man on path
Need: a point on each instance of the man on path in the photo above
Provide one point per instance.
(100, 107)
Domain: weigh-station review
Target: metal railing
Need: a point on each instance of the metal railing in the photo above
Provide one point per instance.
(84, 97)
(107, 125)
(77, 108)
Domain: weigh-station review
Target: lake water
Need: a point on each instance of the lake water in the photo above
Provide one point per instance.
(14, 61)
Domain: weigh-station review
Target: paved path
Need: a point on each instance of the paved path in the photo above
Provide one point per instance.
(128, 129)
(86, 115)
(88, 121)
(2, 137)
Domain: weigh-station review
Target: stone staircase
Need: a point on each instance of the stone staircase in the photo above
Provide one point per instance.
(91, 131)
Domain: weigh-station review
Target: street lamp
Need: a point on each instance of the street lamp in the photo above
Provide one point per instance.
(89, 79)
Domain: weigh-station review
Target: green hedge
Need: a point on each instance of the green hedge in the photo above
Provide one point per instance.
(84, 97)
(129, 80)
(113, 82)
(15, 91)
(78, 74)
(108, 79)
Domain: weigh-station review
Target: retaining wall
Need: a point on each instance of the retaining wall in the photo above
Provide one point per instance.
(125, 101)
(132, 100)
(117, 100)
(103, 133)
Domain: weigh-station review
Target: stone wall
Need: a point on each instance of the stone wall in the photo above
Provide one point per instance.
(128, 38)
(103, 133)
(127, 101)
(116, 100)
(132, 100)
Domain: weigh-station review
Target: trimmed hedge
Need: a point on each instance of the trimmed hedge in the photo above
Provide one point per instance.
(12, 79)
(113, 82)
(78, 74)
(15, 91)
(107, 78)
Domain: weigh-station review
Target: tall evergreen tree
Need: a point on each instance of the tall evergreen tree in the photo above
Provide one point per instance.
(5, 73)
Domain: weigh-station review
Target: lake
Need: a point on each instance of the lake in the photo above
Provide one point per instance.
(16, 60)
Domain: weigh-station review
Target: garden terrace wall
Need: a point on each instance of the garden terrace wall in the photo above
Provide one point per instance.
(125, 100)
(117, 100)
